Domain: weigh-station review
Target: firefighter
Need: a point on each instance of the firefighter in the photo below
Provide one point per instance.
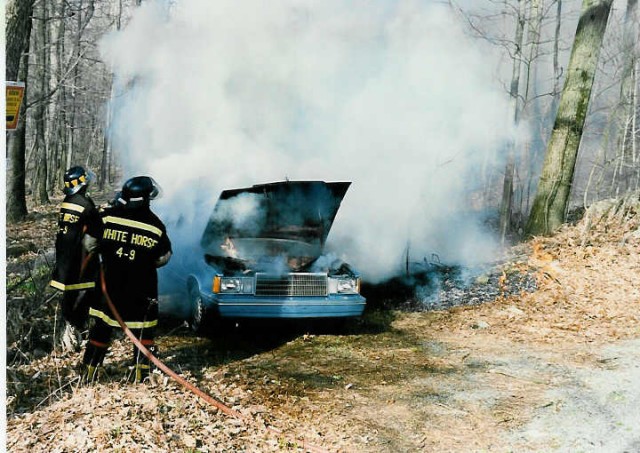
(132, 243)
(75, 273)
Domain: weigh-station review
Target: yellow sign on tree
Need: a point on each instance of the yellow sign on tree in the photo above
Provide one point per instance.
(15, 93)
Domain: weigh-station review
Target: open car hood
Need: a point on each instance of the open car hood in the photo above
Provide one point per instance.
(285, 221)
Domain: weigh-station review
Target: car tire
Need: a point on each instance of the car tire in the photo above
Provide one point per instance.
(198, 316)
(199, 312)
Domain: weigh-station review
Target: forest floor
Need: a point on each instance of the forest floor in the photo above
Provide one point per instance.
(550, 368)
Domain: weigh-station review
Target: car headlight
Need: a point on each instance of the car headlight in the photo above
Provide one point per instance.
(344, 285)
(232, 285)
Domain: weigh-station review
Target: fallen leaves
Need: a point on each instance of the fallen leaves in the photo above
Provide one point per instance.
(424, 381)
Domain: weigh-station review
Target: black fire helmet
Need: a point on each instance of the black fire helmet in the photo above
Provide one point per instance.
(75, 179)
(138, 191)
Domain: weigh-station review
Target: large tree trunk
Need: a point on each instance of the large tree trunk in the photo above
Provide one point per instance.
(552, 197)
(18, 35)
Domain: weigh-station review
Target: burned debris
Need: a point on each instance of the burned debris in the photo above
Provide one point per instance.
(431, 285)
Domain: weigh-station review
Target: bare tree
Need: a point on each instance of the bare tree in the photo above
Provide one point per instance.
(625, 115)
(105, 166)
(552, 197)
(40, 115)
(507, 190)
(58, 113)
(534, 112)
(614, 170)
(556, 52)
(18, 34)
(83, 14)
(64, 120)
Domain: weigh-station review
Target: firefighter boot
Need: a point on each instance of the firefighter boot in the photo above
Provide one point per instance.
(142, 365)
(93, 358)
(88, 374)
(141, 372)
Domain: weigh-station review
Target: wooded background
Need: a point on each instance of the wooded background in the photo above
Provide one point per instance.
(569, 67)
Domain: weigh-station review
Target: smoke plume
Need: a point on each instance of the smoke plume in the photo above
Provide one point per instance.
(390, 95)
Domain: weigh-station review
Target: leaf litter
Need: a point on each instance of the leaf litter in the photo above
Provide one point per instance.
(509, 373)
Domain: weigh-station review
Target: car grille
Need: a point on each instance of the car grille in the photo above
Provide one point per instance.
(291, 285)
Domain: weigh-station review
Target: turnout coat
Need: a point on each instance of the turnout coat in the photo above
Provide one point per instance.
(77, 215)
(132, 244)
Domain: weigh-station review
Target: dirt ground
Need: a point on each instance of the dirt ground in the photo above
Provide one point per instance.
(555, 370)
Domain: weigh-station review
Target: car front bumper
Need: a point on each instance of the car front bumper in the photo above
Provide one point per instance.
(247, 306)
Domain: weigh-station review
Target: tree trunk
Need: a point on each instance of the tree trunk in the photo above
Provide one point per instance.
(83, 18)
(18, 35)
(552, 197)
(71, 117)
(556, 52)
(626, 138)
(105, 168)
(61, 99)
(40, 194)
(531, 110)
(634, 121)
(507, 187)
(54, 107)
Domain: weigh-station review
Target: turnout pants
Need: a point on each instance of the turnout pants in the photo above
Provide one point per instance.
(100, 338)
(75, 307)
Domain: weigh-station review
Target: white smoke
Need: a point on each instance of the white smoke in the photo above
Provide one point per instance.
(390, 95)
(243, 210)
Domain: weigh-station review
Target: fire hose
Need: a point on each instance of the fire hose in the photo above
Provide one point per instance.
(182, 381)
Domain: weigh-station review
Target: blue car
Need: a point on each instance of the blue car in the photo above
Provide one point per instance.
(264, 257)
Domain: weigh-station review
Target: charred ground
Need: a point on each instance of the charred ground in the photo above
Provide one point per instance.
(509, 360)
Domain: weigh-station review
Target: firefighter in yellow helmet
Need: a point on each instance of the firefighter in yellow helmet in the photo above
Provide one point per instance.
(132, 242)
(75, 272)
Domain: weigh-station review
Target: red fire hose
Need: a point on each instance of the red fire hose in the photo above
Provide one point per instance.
(182, 381)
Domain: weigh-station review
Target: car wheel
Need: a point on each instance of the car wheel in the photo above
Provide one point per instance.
(198, 315)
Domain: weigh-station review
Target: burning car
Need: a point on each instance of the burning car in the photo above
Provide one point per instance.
(264, 253)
